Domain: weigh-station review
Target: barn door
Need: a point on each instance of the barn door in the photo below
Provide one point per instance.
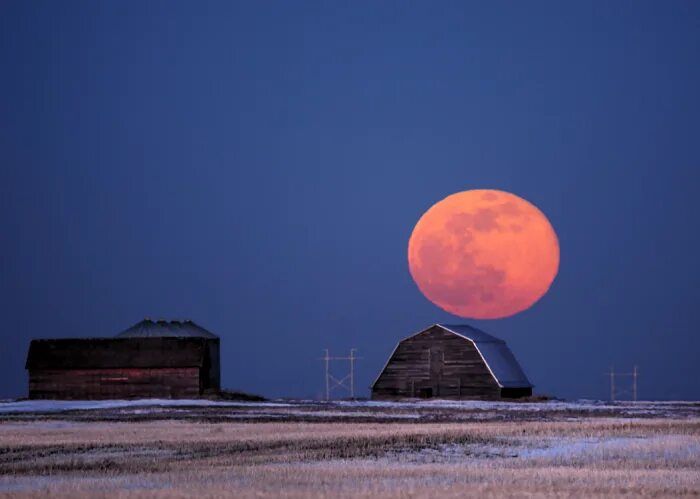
(437, 362)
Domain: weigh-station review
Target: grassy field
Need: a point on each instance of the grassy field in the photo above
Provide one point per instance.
(580, 456)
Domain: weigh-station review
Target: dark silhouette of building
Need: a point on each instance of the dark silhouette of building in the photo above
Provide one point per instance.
(449, 361)
(162, 359)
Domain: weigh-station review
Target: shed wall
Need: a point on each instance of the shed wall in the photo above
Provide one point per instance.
(115, 383)
(107, 353)
(211, 371)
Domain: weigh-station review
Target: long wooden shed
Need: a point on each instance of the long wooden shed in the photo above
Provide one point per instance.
(163, 359)
(451, 361)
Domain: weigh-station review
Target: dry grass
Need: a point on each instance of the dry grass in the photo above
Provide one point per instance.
(597, 457)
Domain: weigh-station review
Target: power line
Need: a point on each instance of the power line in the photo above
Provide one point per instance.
(615, 391)
(347, 382)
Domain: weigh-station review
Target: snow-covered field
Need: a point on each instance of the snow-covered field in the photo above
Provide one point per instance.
(424, 410)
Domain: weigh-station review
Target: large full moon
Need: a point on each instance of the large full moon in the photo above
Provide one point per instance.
(483, 254)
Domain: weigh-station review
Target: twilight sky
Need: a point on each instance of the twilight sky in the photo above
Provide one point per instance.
(258, 167)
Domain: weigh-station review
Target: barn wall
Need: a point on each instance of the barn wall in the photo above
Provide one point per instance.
(436, 363)
(171, 382)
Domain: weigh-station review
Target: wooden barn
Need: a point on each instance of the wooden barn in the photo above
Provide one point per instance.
(161, 359)
(455, 362)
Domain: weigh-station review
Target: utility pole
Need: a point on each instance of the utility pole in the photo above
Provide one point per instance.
(347, 382)
(634, 384)
(328, 388)
(612, 384)
(352, 373)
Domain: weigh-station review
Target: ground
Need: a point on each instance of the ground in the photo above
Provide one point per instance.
(157, 448)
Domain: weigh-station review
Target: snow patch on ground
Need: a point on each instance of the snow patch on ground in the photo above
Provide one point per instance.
(571, 451)
(405, 409)
(354, 414)
(592, 406)
(671, 447)
(39, 406)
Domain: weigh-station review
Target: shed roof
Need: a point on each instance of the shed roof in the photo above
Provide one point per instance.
(498, 358)
(106, 353)
(148, 328)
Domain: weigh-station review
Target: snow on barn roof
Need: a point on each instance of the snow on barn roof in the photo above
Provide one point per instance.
(470, 333)
(498, 358)
(149, 329)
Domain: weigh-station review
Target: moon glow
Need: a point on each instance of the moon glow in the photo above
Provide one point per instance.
(483, 254)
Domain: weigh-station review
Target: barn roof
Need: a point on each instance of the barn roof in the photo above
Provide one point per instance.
(106, 353)
(498, 358)
(148, 328)
(471, 333)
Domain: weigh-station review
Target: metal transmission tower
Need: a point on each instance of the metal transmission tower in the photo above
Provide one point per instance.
(332, 382)
(615, 390)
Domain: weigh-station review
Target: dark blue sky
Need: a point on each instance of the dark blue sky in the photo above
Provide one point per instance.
(258, 167)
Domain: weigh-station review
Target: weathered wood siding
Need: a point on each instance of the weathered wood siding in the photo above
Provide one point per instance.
(436, 363)
(75, 368)
(102, 353)
(211, 370)
(170, 382)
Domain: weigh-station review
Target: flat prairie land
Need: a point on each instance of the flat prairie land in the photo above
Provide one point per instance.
(348, 449)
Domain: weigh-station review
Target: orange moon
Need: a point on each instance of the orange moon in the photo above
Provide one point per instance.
(483, 254)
